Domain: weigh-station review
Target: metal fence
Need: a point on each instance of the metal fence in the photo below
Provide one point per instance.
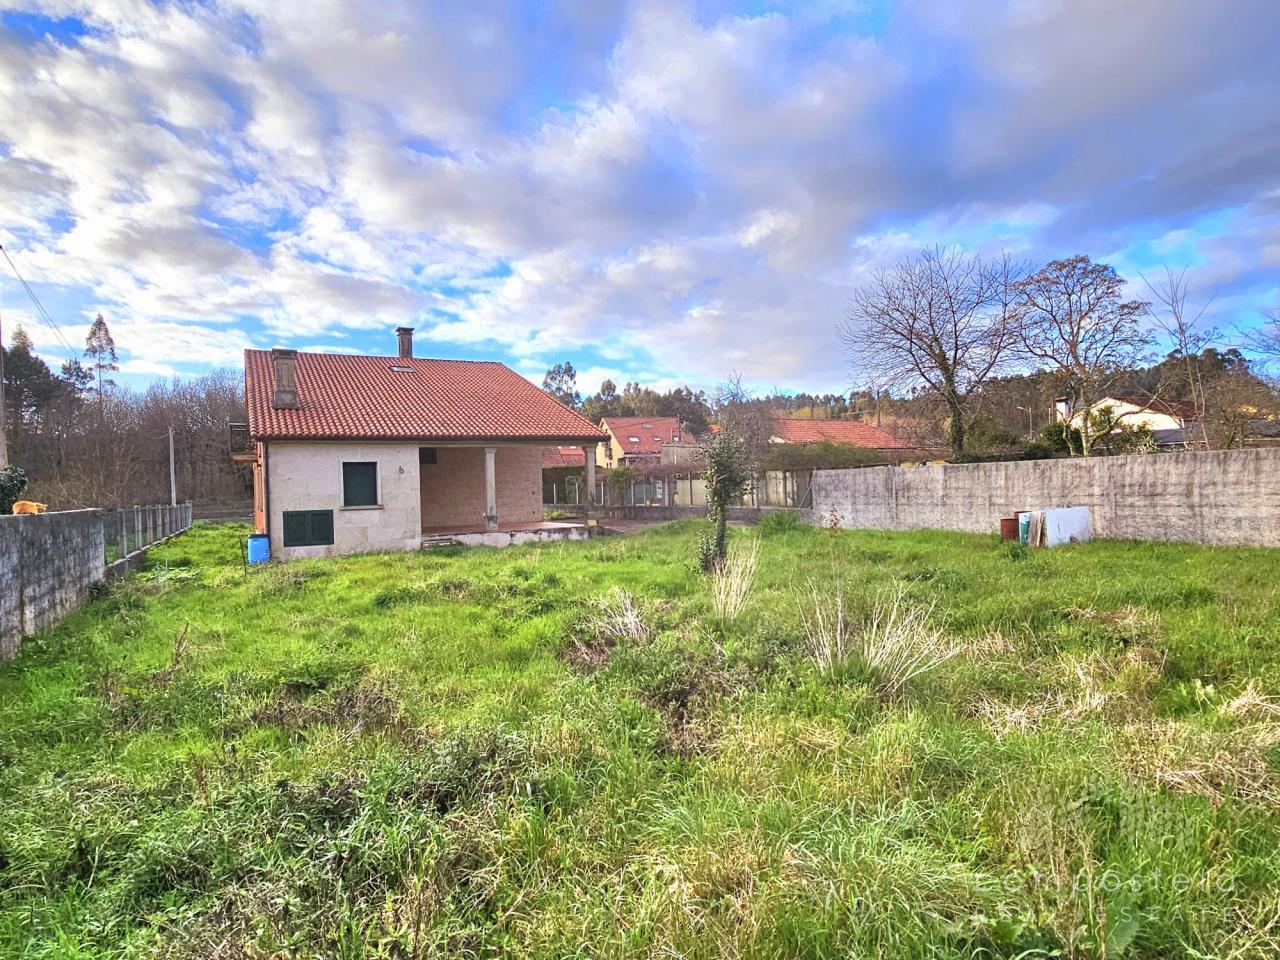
(776, 488)
(128, 530)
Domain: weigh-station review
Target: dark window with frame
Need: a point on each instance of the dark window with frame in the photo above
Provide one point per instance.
(426, 455)
(308, 528)
(359, 484)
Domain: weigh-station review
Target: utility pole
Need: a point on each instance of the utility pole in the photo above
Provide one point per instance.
(173, 478)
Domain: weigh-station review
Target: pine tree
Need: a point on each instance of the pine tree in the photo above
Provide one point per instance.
(100, 346)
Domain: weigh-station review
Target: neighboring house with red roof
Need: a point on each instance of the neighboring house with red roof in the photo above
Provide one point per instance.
(358, 453)
(853, 433)
(565, 456)
(638, 441)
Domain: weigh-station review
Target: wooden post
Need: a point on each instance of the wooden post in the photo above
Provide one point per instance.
(490, 488)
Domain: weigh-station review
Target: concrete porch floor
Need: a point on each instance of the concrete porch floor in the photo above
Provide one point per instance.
(534, 525)
(507, 534)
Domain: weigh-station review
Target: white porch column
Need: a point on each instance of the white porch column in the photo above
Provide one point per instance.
(490, 488)
(589, 452)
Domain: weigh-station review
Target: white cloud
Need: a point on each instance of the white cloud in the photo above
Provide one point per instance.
(686, 193)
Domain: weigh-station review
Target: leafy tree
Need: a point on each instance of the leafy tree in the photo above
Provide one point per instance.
(943, 321)
(1105, 430)
(101, 348)
(13, 480)
(561, 382)
(1072, 319)
(984, 434)
(688, 406)
(77, 377)
(727, 476)
(28, 384)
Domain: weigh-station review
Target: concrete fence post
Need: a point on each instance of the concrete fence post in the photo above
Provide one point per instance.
(122, 528)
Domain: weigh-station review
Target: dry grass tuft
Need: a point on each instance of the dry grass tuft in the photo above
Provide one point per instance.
(1215, 764)
(1084, 686)
(612, 618)
(618, 617)
(731, 582)
(1251, 702)
(896, 642)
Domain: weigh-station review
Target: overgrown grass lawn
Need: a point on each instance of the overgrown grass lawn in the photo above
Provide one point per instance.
(497, 753)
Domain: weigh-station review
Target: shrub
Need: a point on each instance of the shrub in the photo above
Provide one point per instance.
(13, 480)
(727, 477)
(731, 581)
(783, 521)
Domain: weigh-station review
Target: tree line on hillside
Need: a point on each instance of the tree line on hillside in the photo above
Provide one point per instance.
(695, 409)
(82, 440)
(972, 353)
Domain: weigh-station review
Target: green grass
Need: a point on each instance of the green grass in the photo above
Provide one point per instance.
(444, 754)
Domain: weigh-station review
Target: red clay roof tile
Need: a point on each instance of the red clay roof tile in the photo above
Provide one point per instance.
(364, 398)
(851, 432)
(563, 456)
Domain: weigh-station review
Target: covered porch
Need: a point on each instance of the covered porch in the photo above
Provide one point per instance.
(488, 494)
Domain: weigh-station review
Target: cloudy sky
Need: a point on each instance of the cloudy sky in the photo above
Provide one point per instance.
(658, 191)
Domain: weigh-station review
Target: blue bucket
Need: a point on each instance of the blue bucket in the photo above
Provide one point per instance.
(259, 548)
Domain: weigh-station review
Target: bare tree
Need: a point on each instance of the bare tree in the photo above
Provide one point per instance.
(1072, 320)
(1233, 401)
(745, 415)
(1266, 340)
(1186, 331)
(941, 321)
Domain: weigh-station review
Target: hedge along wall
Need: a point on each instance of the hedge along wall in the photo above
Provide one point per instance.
(1225, 497)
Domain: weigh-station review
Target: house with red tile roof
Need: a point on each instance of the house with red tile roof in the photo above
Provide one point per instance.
(565, 456)
(638, 441)
(361, 453)
(853, 433)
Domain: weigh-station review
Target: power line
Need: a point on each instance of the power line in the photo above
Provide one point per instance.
(41, 312)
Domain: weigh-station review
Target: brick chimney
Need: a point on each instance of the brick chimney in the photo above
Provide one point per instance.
(284, 370)
(405, 336)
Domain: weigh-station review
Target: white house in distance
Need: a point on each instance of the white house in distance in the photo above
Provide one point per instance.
(358, 453)
(1170, 421)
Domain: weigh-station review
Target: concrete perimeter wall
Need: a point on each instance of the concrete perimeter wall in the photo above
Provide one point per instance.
(1225, 497)
(47, 564)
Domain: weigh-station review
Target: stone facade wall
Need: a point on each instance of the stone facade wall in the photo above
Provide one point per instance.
(47, 565)
(1226, 497)
(308, 476)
